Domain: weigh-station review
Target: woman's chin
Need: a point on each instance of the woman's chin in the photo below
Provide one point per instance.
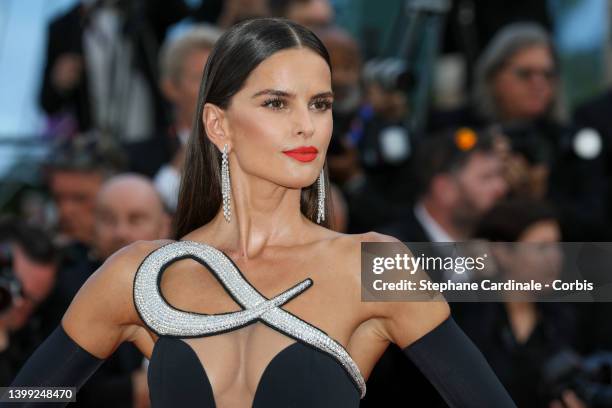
(302, 180)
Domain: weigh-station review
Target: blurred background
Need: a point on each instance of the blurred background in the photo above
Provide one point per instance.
(453, 120)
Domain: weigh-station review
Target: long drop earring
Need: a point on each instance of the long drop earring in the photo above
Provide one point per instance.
(226, 186)
(321, 198)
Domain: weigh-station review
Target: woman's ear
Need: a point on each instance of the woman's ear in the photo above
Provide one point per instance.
(213, 119)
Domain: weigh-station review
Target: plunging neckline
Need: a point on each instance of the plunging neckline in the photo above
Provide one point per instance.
(274, 360)
(316, 338)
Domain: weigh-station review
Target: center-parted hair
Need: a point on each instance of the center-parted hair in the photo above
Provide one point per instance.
(235, 55)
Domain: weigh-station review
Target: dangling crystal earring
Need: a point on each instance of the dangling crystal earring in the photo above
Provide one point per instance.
(225, 186)
(321, 198)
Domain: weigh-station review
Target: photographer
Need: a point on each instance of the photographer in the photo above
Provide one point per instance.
(520, 338)
(379, 147)
(384, 142)
(28, 262)
(517, 86)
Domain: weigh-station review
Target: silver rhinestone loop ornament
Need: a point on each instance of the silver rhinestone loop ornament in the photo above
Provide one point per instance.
(166, 320)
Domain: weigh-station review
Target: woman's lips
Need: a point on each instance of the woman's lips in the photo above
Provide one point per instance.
(303, 153)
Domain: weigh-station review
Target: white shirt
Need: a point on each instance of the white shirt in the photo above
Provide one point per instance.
(436, 233)
(167, 182)
(121, 100)
(433, 230)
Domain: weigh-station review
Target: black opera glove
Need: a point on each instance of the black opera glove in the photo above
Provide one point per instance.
(457, 369)
(57, 362)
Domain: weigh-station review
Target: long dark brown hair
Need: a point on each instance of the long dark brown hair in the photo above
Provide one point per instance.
(238, 52)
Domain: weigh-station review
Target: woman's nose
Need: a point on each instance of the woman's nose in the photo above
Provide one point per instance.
(304, 123)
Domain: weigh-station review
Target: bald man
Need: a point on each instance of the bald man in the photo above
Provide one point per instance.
(128, 209)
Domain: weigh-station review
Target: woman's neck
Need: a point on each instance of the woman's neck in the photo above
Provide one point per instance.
(523, 318)
(263, 214)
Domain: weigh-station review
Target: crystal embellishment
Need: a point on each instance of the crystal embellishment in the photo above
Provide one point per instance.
(321, 197)
(166, 320)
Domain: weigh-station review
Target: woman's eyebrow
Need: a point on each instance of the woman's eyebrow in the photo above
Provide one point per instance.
(274, 92)
(278, 92)
(327, 94)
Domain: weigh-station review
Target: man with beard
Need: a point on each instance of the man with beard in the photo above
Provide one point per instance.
(460, 175)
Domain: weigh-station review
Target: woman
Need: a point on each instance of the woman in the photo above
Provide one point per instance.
(520, 338)
(517, 76)
(517, 85)
(248, 209)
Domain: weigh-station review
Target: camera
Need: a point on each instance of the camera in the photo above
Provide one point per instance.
(10, 286)
(391, 74)
(590, 377)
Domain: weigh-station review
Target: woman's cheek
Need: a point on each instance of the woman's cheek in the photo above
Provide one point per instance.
(326, 127)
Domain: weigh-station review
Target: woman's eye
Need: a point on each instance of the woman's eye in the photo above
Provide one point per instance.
(274, 103)
(322, 105)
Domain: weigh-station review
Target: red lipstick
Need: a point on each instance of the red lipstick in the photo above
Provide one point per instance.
(303, 153)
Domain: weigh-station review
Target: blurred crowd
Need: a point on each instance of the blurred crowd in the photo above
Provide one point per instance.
(509, 163)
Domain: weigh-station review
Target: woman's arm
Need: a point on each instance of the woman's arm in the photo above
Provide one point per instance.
(458, 370)
(99, 319)
(429, 336)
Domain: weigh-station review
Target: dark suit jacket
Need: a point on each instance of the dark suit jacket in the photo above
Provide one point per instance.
(596, 114)
(395, 380)
(65, 35)
(407, 228)
(147, 156)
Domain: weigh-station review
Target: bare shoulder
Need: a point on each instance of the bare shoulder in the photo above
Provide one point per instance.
(116, 275)
(373, 236)
(347, 247)
(103, 309)
(346, 251)
(402, 322)
(121, 267)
